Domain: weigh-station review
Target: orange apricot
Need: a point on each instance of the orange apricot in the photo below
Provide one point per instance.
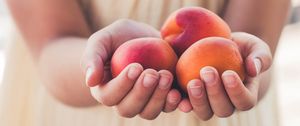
(220, 53)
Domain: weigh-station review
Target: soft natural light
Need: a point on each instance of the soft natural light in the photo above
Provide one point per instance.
(287, 62)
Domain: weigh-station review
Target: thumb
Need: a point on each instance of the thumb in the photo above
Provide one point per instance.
(258, 57)
(258, 62)
(94, 59)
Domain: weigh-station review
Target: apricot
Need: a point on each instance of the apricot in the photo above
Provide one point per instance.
(152, 53)
(188, 25)
(220, 53)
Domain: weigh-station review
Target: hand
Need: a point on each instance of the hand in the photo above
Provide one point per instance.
(135, 90)
(212, 94)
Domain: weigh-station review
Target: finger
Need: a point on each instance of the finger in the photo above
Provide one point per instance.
(185, 106)
(157, 101)
(218, 99)
(104, 42)
(199, 100)
(256, 52)
(128, 29)
(243, 98)
(257, 63)
(173, 99)
(95, 57)
(134, 102)
(113, 92)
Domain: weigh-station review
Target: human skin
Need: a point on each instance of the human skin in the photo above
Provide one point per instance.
(62, 26)
(249, 16)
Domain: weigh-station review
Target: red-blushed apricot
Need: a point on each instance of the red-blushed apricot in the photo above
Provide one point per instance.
(220, 53)
(152, 53)
(188, 25)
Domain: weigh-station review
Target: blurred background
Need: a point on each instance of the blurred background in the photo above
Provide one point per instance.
(5, 25)
(287, 60)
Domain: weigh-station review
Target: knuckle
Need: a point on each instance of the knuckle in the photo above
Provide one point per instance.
(94, 36)
(224, 114)
(214, 93)
(264, 44)
(125, 113)
(245, 107)
(123, 21)
(236, 92)
(205, 116)
(269, 58)
(166, 110)
(169, 107)
(105, 100)
(243, 33)
(199, 103)
(158, 97)
(148, 116)
(268, 61)
(139, 97)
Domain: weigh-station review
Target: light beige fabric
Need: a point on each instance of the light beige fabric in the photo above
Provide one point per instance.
(25, 102)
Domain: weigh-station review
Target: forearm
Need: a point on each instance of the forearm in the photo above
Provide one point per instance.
(59, 66)
(264, 19)
(58, 60)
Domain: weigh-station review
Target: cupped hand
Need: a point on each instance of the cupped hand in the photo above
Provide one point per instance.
(134, 91)
(221, 93)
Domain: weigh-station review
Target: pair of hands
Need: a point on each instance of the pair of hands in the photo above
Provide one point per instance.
(147, 92)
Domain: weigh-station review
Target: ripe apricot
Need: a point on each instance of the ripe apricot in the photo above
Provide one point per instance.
(188, 25)
(152, 53)
(220, 53)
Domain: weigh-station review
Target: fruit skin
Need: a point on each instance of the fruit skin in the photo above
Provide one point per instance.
(220, 53)
(188, 25)
(152, 53)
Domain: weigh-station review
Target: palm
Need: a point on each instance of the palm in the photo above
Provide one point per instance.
(152, 87)
(104, 43)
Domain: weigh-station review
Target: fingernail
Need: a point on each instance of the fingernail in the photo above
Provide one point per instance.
(149, 80)
(172, 100)
(164, 82)
(228, 78)
(133, 72)
(208, 75)
(88, 75)
(257, 65)
(196, 90)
